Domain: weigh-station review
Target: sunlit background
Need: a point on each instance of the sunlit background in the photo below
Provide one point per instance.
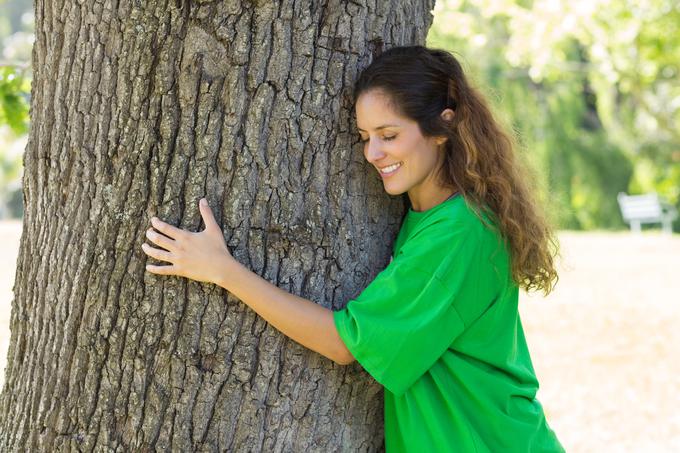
(591, 89)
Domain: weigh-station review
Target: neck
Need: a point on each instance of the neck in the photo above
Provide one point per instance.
(440, 199)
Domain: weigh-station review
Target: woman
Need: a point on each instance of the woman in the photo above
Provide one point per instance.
(439, 326)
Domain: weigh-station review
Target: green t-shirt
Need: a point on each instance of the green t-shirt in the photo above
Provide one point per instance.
(440, 330)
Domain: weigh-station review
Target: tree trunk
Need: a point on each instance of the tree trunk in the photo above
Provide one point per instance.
(140, 109)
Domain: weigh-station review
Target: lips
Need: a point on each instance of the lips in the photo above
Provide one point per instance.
(391, 167)
(394, 168)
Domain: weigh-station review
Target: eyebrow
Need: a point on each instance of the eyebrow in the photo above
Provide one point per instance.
(381, 127)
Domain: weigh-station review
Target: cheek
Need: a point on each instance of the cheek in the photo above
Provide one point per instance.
(406, 150)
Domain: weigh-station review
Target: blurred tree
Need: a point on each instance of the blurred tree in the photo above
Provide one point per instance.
(591, 87)
(14, 97)
(16, 37)
(11, 19)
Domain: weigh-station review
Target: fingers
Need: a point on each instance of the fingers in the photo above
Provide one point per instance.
(161, 240)
(161, 270)
(159, 254)
(166, 229)
(206, 213)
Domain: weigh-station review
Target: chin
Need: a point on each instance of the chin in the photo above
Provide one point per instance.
(394, 191)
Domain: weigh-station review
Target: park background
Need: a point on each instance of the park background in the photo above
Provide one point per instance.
(592, 92)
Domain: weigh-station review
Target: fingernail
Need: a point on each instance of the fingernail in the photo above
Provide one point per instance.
(203, 202)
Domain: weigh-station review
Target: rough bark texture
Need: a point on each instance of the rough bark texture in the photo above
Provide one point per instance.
(140, 109)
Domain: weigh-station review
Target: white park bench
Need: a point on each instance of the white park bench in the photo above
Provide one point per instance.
(648, 208)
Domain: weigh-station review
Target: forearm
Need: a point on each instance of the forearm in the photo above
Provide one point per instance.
(304, 321)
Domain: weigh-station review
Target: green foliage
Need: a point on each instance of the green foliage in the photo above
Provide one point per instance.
(14, 112)
(14, 91)
(590, 88)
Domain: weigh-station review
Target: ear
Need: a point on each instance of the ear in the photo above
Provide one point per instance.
(447, 114)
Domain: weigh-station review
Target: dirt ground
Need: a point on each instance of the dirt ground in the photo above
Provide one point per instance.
(605, 344)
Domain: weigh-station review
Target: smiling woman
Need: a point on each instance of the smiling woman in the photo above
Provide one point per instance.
(439, 327)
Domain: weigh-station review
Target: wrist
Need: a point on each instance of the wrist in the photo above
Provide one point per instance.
(226, 269)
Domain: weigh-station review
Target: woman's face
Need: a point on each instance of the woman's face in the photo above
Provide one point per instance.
(405, 159)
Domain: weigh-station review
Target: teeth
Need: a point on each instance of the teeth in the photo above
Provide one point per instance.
(391, 168)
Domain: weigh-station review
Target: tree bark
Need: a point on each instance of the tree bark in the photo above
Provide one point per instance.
(140, 109)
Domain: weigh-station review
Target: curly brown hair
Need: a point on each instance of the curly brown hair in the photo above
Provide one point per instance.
(480, 159)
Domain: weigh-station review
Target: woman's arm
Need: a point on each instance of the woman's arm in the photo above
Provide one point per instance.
(304, 321)
(204, 257)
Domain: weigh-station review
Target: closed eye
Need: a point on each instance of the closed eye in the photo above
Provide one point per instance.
(387, 139)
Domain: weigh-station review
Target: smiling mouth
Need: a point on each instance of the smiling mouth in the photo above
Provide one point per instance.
(390, 168)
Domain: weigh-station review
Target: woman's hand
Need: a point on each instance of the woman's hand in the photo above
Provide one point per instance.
(199, 256)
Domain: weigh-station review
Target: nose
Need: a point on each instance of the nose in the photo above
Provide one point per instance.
(372, 151)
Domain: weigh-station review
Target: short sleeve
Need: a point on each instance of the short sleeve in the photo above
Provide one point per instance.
(407, 317)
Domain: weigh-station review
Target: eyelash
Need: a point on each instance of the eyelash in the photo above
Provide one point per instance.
(384, 138)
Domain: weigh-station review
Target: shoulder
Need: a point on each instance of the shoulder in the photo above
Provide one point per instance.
(461, 220)
(459, 235)
(439, 243)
